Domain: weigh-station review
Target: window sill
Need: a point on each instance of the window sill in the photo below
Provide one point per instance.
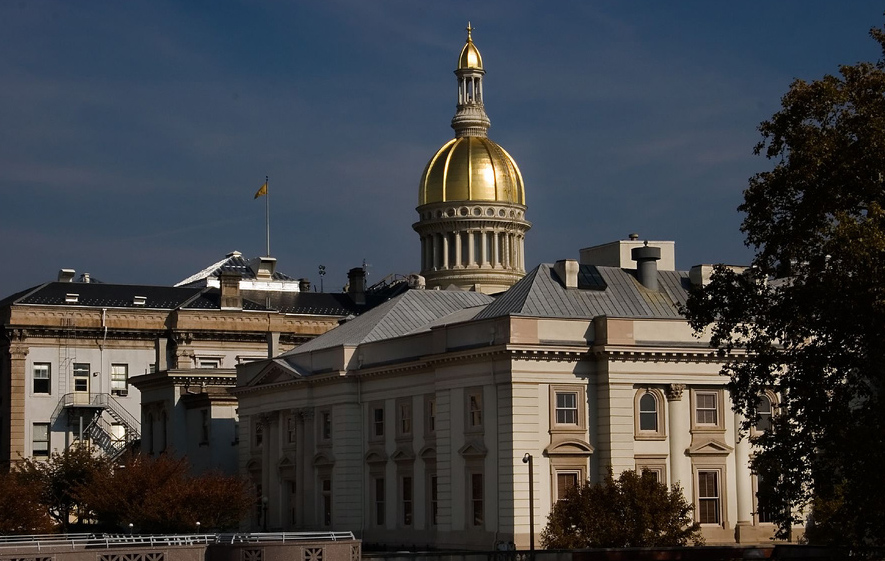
(650, 436)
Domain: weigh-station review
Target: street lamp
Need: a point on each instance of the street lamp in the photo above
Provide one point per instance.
(264, 512)
(198, 526)
(130, 528)
(527, 459)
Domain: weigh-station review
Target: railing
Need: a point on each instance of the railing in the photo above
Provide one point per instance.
(45, 542)
(119, 413)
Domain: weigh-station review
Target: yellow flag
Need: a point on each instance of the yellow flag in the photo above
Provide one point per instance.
(263, 191)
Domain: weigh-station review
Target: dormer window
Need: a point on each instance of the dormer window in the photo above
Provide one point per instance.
(71, 298)
(139, 300)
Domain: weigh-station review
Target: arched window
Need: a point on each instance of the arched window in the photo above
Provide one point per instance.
(648, 419)
(648, 413)
(763, 410)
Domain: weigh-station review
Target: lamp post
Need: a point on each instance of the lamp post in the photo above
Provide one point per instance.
(264, 513)
(198, 526)
(527, 459)
(322, 274)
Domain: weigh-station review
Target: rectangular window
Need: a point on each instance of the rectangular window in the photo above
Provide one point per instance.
(474, 409)
(564, 482)
(764, 510)
(404, 412)
(291, 429)
(208, 362)
(42, 377)
(706, 409)
(120, 379)
(326, 425)
(407, 500)
(434, 500)
(378, 422)
(476, 498)
(40, 440)
(566, 408)
(258, 434)
(81, 377)
(379, 501)
(430, 415)
(708, 497)
(327, 502)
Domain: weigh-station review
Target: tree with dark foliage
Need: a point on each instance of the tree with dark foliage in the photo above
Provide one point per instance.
(634, 510)
(158, 495)
(807, 320)
(59, 477)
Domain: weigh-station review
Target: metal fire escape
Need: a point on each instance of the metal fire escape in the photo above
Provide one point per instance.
(95, 419)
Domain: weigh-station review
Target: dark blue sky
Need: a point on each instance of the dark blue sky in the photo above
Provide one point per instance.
(133, 135)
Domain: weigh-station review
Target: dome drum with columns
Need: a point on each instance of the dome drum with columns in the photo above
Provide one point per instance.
(472, 199)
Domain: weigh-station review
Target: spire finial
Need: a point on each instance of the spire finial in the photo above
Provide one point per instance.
(469, 31)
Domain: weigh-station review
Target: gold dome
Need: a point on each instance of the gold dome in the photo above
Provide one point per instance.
(470, 57)
(471, 168)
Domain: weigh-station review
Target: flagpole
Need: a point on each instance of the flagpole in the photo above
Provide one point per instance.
(267, 212)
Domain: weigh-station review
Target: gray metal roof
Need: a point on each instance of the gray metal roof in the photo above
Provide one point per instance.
(608, 291)
(409, 312)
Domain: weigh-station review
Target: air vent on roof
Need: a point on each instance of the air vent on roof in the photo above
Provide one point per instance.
(72, 298)
(139, 300)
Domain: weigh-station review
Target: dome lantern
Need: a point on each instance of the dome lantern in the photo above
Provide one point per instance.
(471, 200)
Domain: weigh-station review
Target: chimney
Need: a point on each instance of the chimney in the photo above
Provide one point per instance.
(273, 344)
(356, 285)
(646, 265)
(66, 275)
(231, 299)
(266, 268)
(161, 353)
(303, 285)
(567, 271)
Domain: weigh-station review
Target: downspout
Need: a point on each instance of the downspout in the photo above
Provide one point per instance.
(359, 402)
(104, 325)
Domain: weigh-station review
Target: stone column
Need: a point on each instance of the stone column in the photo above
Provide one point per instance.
(496, 257)
(457, 264)
(743, 476)
(484, 247)
(471, 248)
(18, 352)
(445, 251)
(680, 439)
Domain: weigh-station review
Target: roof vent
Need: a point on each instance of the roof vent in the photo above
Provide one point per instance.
(71, 298)
(66, 275)
(139, 300)
(567, 271)
(266, 267)
(647, 265)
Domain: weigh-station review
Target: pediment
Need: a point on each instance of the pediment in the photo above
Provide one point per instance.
(323, 459)
(253, 466)
(710, 448)
(427, 453)
(285, 464)
(570, 447)
(473, 449)
(403, 454)
(376, 456)
(275, 373)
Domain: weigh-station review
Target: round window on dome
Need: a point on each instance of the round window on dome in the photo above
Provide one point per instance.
(477, 212)
(439, 214)
(464, 211)
(490, 212)
(450, 212)
(502, 213)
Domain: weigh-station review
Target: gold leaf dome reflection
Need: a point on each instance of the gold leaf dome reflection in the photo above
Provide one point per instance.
(471, 168)
(470, 57)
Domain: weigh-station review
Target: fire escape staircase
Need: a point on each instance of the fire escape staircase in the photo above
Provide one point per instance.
(94, 417)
